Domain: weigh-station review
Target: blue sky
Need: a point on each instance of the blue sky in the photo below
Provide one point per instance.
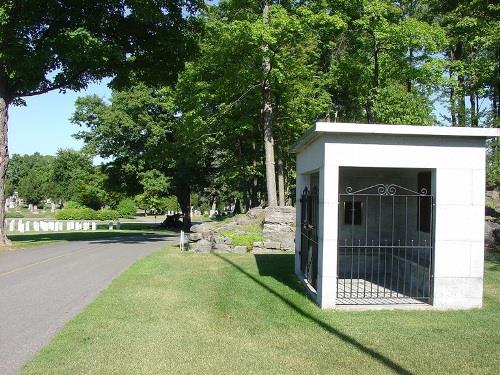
(43, 125)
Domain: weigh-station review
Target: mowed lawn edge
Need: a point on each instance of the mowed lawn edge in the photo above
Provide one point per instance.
(185, 313)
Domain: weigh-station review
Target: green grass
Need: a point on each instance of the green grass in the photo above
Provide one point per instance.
(185, 313)
(25, 213)
(32, 239)
(246, 235)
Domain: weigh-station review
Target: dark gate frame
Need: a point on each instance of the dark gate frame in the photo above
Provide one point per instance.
(309, 204)
(385, 270)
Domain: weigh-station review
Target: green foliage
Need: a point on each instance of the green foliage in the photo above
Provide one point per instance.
(76, 214)
(86, 214)
(493, 165)
(127, 208)
(72, 204)
(76, 178)
(245, 236)
(107, 215)
(31, 177)
(396, 105)
(14, 215)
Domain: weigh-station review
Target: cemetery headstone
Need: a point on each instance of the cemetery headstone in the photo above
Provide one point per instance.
(94, 226)
(36, 226)
(110, 225)
(27, 226)
(11, 225)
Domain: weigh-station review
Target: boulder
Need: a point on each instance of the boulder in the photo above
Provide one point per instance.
(239, 249)
(193, 237)
(493, 194)
(258, 244)
(272, 245)
(243, 220)
(202, 246)
(255, 213)
(279, 226)
(491, 235)
(221, 248)
(219, 240)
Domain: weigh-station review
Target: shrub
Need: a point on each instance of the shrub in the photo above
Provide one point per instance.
(105, 215)
(14, 215)
(72, 204)
(127, 208)
(86, 214)
(76, 214)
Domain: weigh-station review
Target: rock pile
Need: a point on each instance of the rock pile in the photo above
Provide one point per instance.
(206, 237)
(278, 232)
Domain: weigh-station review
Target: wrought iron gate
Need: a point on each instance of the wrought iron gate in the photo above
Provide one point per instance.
(309, 235)
(385, 247)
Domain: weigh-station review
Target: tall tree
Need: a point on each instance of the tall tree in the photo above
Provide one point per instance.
(63, 44)
(267, 114)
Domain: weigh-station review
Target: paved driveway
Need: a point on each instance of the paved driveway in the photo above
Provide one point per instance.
(41, 289)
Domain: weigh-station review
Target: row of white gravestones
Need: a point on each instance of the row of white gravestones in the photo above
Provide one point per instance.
(53, 226)
(170, 213)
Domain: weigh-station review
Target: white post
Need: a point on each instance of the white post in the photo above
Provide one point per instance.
(94, 226)
(36, 226)
(27, 226)
(110, 225)
(182, 240)
(11, 225)
(118, 225)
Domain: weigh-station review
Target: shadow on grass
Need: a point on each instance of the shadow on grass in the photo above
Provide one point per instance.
(334, 331)
(137, 238)
(278, 266)
(493, 260)
(105, 237)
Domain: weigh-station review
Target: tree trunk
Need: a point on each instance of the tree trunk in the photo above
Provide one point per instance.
(461, 115)
(373, 91)
(4, 156)
(409, 83)
(267, 113)
(254, 200)
(474, 121)
(281, 182)
(496, 91)
(184, 198)
(453, 110)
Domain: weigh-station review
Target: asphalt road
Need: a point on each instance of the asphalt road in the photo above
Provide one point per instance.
(41, 289)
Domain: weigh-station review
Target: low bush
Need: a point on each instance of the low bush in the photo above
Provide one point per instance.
(76, 214)
(72, 204)
(86, 214)
(14, 215)
(108, 215)
(126, 208)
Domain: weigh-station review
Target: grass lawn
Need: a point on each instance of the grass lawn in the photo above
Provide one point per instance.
(188, 313)
(31, 239)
